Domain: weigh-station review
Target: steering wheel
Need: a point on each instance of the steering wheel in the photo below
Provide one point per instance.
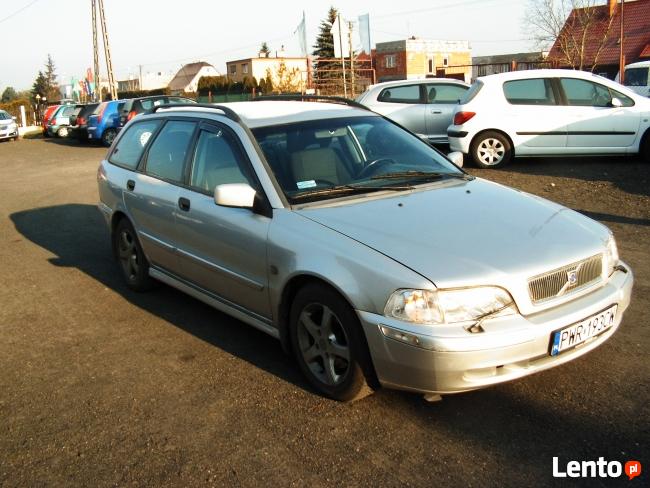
(372, 166)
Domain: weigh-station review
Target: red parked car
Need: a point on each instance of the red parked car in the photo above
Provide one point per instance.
(46, 117)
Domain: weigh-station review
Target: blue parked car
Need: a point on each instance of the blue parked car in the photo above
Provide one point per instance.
(103, 123)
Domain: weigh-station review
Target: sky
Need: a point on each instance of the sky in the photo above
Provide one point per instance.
(162, 35)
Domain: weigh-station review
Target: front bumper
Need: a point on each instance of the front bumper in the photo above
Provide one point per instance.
(8, 134)
(515, 345)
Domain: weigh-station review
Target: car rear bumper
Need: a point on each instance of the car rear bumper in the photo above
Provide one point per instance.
(459, 141)
(467, 362)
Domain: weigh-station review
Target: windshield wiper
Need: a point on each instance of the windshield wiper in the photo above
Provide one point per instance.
(434, 175)
(349, 189)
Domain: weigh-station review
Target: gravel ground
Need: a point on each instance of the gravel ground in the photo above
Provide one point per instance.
(100, 386)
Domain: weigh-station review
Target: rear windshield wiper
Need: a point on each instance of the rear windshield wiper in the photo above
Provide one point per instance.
(349, 189)
(434, 175)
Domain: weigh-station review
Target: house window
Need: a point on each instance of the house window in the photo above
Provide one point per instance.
(430, 65)
(389, 61)
(244, 68)
(445, 60)
(233, 69)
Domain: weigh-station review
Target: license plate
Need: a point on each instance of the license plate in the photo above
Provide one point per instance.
(575, 334)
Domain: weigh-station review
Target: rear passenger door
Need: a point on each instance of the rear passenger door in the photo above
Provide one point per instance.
(152, 194)
(223, 249)
(442, 99)
(405, 105)
(534, 114)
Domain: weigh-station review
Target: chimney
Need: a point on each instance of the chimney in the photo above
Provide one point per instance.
(612, 7)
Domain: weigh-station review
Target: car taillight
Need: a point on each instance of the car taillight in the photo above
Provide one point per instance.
(131, 115)
(461, 117)
(81, 120)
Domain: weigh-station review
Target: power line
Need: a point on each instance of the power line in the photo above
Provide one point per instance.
(439, 7)
(405, 36)
(18, 11)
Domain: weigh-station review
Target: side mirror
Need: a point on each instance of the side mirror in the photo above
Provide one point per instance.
(239, 195)
(615, 102)
(14, 118)
(456, 157)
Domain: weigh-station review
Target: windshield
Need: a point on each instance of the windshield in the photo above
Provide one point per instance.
(4, 115)
(353, 154)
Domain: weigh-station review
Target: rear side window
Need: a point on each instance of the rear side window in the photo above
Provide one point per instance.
(131, 145)
(472, 92)
(636, 76)
(400, 94)
(167, 153)
(536, 91)
(445, 93)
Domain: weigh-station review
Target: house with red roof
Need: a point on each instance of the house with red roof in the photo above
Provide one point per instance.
(600, 26)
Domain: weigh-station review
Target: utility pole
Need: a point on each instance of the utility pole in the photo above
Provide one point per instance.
(96, 97)
(621, 61)
(140, 87)
(350, 27)
(112, 86)
(345, 88)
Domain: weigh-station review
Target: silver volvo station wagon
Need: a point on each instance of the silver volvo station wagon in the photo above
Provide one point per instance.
(366, 252)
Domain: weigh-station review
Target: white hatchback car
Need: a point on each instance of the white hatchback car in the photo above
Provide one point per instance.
(546, 113)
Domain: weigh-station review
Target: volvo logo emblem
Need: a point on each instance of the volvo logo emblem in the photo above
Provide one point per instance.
(572, 277)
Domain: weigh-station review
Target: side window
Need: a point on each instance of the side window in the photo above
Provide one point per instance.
(636, 76)
(445, 93)
(400, 94)
(585, 93)
(167, 153)
(131, 145)
(217, 161)
(537, 91)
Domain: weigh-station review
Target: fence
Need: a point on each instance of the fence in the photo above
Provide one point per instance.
(327, 77)
(485, 69)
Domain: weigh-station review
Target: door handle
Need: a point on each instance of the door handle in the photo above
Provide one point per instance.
(436, 111)
(184, 204)
(130, 185)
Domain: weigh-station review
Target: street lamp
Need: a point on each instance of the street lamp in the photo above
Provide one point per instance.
(38, 108)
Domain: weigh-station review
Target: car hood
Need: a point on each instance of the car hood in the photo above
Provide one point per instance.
(6, 122)
(467, 233)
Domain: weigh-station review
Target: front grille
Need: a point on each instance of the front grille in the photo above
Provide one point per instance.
(565, 280)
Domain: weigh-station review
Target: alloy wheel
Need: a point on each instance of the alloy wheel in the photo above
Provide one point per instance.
(128, 254)
(323, 344)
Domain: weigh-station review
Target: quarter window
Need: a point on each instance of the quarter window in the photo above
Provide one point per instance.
(167, 153)
(131, 145)
(217, 161)
(537, 91)
(401, 94)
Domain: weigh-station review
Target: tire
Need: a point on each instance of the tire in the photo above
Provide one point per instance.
(133, 263)
(645, 147)
(62, 132)
(491, 149)
(108, 136)
(328, 344)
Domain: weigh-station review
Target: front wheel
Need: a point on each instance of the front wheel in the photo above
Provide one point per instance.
(108, 136)
(645, 148)
(491, 149)
(133, 263)
(328, 343)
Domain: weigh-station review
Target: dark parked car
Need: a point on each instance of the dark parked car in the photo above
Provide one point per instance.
(137, 106)
(79, 121)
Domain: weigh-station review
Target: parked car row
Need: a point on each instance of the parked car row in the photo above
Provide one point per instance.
(99, 122)
(524, 113)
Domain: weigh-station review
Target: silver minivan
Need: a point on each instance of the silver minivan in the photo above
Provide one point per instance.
(366, 252)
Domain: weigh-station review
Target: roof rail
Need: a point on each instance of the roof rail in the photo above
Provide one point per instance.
(312, 98)
(228, 112)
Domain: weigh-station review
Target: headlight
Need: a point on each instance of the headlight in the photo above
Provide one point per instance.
(449, 306)
(611, 257)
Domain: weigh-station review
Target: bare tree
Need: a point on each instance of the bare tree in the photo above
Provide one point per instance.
(575, 31)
